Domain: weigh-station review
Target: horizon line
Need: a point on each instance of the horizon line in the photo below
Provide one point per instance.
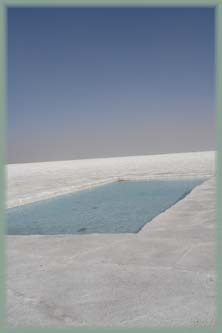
(110, 157)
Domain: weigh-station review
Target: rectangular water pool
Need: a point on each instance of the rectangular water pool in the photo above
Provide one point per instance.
(113, 208)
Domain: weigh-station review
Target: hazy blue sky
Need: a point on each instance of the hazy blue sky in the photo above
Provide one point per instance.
(94, 82)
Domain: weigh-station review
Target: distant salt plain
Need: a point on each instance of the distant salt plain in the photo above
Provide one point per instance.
(162, 276)
(30, 182)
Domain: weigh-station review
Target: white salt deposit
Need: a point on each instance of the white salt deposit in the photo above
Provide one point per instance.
(162, 276)
(31, 182)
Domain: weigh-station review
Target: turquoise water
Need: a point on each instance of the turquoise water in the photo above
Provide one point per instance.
(113, 208)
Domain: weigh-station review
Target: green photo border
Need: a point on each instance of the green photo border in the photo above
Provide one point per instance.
(4, 5)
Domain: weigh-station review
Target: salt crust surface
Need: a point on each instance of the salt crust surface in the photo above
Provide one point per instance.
(163, 276)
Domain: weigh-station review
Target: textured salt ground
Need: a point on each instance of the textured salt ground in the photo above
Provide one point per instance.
(162, 276)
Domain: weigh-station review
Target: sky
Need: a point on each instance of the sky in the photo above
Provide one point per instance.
(103, 82)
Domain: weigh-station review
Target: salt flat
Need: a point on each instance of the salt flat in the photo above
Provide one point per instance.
(162, 276)
(31, 182)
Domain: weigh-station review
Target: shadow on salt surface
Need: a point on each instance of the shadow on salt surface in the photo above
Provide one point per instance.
(119, 207)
